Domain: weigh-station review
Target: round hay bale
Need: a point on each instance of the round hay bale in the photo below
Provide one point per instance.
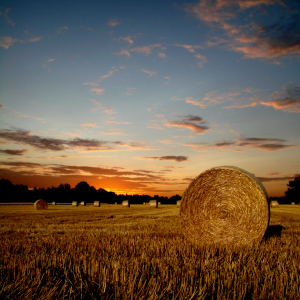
(83, 203)
(144, 203)
(293, 203)
(274, 203)
(116, 203)
(126, 203)
(153, 204)
(225, 205)
(75, 203)
(40, 204)
(97, 203)
(178, 203)
(53, 203)
(159, 203)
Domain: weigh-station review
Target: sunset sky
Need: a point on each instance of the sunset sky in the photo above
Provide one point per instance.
(140, 97)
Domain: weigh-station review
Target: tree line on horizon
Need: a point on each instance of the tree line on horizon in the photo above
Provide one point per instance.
(84, 192)
(65, 194)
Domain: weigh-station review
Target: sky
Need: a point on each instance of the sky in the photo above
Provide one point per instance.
(140, 97)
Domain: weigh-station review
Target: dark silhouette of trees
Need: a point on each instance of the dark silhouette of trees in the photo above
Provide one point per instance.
(65, 194)
(293, 192)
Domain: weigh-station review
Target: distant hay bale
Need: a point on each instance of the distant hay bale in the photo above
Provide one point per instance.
(178, 203)
(153, 204)
(53, 203)
(75, 203)
(159, 203)
(97, 203)
(144, 203)
(126, 203)
(293, 203)
(83, 203)
(116, 203)
(41, 204)
(274, 203)
(225, 205)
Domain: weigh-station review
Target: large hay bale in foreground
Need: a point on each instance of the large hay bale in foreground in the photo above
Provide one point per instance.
(83, 203)
(153, 204)
(274, 203)
(97, 203)
(75, 203)
(178, 203)
(225, 205)
(126, 203)
(40, 204)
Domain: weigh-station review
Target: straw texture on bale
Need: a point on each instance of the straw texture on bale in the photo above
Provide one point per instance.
(75, 203)
(97, 203)
(126, 203)
(153, 203)
(53, 203)
(225, 205)
(178, 203)
(83, 203)
(40, 204)
(274, 203)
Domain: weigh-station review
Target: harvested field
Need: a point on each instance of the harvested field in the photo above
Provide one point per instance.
(139, 253)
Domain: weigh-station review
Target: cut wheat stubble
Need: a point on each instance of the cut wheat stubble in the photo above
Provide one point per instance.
(225, 205)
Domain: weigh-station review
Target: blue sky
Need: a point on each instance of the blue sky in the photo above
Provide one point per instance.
(142, 96)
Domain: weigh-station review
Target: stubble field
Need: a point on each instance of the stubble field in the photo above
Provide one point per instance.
(112, 252)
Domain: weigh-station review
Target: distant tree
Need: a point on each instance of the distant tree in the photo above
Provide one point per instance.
(293, 192)
(82, 186)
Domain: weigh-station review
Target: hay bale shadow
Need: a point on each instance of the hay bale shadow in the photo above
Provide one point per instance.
(273, 231)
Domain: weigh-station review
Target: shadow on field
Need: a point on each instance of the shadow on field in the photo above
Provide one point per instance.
(273, 231)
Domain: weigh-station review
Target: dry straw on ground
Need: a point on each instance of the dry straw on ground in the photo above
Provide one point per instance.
(97, 203)
(274, 203)
(40, 204)
(75, 203)
(178, 203)
(153, 203)
(126, 203)
(83, 203)
(225, 205)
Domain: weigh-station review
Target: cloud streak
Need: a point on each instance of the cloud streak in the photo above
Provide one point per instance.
(255, 38)
(179, 158)
(193, 123)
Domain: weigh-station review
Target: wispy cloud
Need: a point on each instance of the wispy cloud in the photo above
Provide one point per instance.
(6, 42)
(97, 91)
(91, 124)
(113, 23)
(193, 123)
(255, 38)
(238, 145)
(109, 74)
(190, 48)
(289, 102)
(99, 105)
(14, 152)
(201, 59)
(150, 73)
(91, 83)
(54, 144)
(179, 158)
(7, 19)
